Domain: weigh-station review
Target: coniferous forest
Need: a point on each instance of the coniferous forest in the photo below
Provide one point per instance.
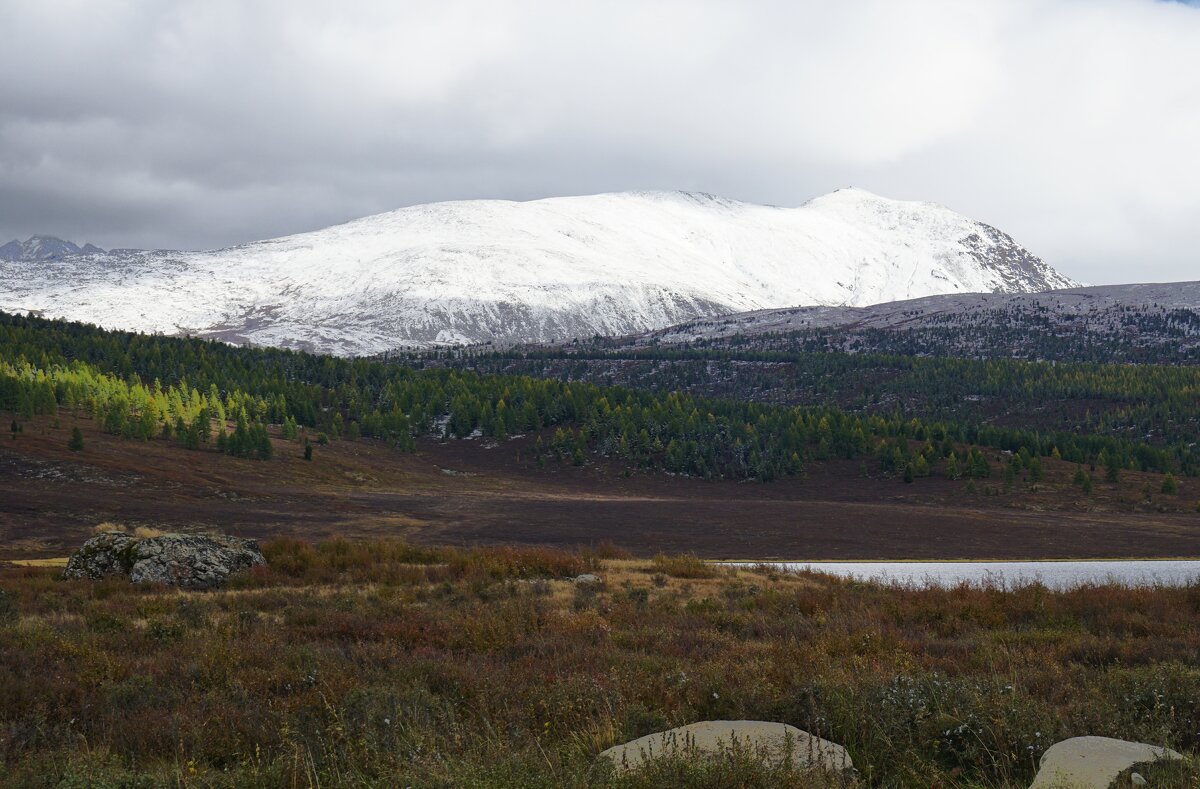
(910, 415)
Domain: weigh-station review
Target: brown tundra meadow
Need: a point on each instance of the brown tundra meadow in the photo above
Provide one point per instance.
(386, 664)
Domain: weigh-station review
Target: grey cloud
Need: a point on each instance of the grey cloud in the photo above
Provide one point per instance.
(203, 123)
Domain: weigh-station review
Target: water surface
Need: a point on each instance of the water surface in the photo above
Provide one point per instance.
(1056, 575)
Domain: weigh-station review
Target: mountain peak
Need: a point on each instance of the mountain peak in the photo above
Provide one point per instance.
(45, 247)
(476, 271)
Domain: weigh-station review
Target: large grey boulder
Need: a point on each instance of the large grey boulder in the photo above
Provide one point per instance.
(777, 742)
(191, 561)
(1093, 762)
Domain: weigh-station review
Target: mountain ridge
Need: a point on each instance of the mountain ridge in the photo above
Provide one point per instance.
(464, 272)
(1133, 323)
(45, 247)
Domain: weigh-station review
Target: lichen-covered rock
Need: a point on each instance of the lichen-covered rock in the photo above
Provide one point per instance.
(191, 561)
(778, 742)
(109, 553)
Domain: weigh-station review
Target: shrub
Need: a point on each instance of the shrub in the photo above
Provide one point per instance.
(684, 566)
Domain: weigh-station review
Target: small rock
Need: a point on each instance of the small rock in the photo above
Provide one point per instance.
(1136, 779)
(712, 737)
(190, 561)
(1093, 762)
(586, 579)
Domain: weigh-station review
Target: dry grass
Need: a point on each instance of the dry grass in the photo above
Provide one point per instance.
(684, 566)
(366, 664)
(57, 561)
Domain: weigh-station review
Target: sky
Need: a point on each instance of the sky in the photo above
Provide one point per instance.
(1073, 125)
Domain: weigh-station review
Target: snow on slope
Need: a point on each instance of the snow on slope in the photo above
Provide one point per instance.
(1096, 304)
(487, 270)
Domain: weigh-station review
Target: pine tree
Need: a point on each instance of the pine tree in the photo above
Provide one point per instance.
(262, 443)
(1169, 485)
(1112, 470)
(76, 442)
(307, 451)
(952, 469)
(920, 466)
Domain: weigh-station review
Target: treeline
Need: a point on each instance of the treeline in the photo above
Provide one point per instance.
(1158, 406)
(117, 377)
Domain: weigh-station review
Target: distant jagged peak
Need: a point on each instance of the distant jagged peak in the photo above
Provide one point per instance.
(45, 247)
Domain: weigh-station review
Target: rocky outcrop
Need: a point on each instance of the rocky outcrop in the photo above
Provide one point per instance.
(1093, 762)
(190, 561)
(777, 742)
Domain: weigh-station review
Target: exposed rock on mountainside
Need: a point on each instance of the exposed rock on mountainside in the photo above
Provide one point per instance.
(506, 272)
(186, 560)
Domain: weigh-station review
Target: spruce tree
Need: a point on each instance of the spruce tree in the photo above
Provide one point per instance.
(76, 442)
(1112, 470)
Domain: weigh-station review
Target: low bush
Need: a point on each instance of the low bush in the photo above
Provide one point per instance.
(386, 664)
(684, 566)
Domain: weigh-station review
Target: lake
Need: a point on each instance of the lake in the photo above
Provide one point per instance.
(1056, 575)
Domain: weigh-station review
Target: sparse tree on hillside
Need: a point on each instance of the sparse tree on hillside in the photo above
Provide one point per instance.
(76, 442)
(1112, 470)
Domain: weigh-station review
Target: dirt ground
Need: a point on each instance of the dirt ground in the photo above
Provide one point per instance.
(477, 492)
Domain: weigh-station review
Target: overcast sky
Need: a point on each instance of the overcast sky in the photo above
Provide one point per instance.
(1074, 125)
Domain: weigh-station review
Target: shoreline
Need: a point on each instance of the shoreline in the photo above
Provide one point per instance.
(959, 561)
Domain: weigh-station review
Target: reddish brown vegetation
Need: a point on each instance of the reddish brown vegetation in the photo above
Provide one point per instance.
(463, 492)
(351, 664)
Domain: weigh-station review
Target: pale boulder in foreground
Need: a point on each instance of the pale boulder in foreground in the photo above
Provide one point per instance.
(778, 742)
(1093, 762)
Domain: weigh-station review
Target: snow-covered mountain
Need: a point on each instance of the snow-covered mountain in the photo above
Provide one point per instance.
(45, 248)
(489, 270)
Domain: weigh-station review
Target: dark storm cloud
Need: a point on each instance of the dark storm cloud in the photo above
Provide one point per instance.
(196, 124)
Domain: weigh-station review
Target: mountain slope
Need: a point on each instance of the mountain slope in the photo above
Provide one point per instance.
(486, 270)
(1154, 322)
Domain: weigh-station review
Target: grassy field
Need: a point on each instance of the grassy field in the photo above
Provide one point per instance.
(470, 492)
(388, 664)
